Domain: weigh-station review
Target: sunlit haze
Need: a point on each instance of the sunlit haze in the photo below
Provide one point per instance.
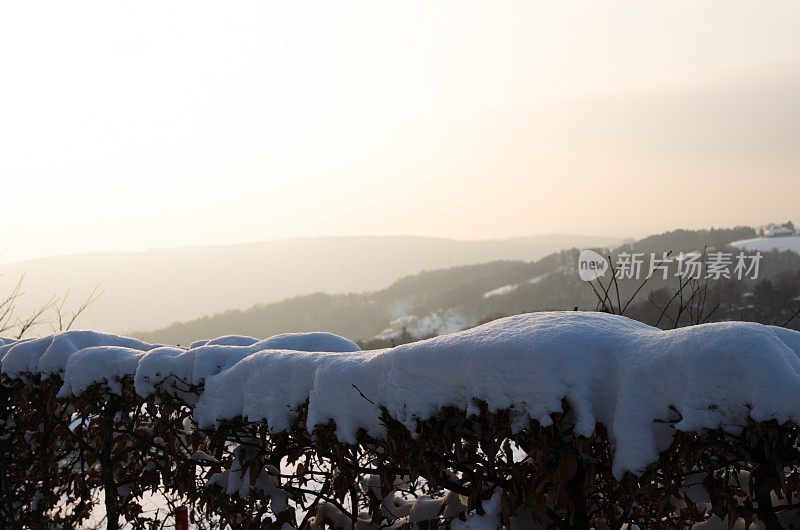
(131, 125)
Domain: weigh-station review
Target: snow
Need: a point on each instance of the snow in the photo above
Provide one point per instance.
(449, 320)
(434, 323)
(506, 289)
(204, 359)
(500, 291)
(768, 244)
(210, 360)
(49, 355)
(98, 364)
(400, 511)
(612, 370)
(715, 523)
(780, 231)
(537, 279)
(237, 480)
(314, 341)
(8, 344)
(161, 363)
(489, 521)
(230, 340)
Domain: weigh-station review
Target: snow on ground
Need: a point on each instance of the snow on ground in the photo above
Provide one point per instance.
(506, 289)
(539, 278)
(768, 244)
(500, 291)
(611, 369)
(488, 521)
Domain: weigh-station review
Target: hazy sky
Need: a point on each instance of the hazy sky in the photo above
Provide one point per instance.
(127, 125)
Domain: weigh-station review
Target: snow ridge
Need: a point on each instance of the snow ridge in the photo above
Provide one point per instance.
(612, 370)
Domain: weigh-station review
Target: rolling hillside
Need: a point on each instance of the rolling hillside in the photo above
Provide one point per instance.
(153, 288)
(447, 300)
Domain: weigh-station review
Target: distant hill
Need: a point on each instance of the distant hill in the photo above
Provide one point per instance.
(430, 302)
(446, 300)
(153, 288)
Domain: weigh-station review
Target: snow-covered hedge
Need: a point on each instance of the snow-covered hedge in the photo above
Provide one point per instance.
(567, 419)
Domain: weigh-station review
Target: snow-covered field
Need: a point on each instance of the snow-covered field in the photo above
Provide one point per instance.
(768, 244)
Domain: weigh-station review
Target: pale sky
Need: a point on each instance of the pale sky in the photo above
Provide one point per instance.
(131, 125)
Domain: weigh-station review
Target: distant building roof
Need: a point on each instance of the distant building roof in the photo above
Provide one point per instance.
(780, 231)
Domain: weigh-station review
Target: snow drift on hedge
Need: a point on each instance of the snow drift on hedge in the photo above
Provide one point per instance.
(103, 364)
(611, 370)
(207, 358)
(49, 355)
